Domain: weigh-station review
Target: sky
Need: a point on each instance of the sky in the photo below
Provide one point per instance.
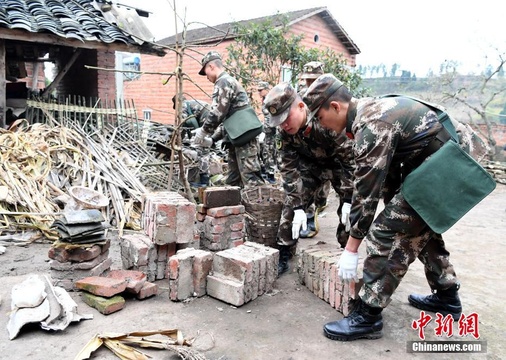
(419, 36)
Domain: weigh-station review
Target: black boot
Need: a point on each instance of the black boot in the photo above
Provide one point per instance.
(284, 256)
(311, 229)
(203, 181)
(365, 322)
(441, 301)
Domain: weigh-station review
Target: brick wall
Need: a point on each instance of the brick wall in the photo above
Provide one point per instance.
(88, 82)
(149, 92)
(106, 82)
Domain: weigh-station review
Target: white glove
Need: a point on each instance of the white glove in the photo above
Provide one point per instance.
(299, 219)
(345, 216)
(207, 142)
(348, 264)
(199, 136)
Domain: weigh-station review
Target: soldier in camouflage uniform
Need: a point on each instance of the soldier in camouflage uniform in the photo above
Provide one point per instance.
(193, 114)
(269, 145)
(309, 155)
(229, 96)
(310, 72)
(392, 136)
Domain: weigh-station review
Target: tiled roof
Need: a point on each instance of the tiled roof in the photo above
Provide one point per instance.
(72, 19)
(216, 33)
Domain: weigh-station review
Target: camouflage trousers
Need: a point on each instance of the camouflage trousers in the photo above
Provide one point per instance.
(269, 150)
(313, 178)
(204, 157)
(396, 238)
(320, 199)
(244, 165)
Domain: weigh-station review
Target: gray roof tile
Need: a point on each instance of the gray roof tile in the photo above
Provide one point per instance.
(73, 19)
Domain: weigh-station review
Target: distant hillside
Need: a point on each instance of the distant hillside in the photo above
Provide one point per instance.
(430, 89)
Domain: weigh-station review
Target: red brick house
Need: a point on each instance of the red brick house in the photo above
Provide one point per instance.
(153, 99)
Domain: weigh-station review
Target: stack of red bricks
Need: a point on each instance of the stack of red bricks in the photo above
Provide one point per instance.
(187, 273)
(71, 262)
(104, 293)
(220, 218)
(168, 219)
(241, 274)
(318, 271)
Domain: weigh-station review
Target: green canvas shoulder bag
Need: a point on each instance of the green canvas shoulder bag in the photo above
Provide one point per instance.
(242, 126)
(448, 184)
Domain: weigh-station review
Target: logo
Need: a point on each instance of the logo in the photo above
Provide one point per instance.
(444, 326)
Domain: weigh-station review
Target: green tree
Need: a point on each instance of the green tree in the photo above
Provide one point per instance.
(262, 51)
(394, 69)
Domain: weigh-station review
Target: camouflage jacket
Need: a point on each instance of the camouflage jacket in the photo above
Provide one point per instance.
(228, 96)
(317, 145)
(199, 110)
(388, 133)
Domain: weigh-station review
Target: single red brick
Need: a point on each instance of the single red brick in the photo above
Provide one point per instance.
(217, 229)
(135, 279)
(225, 211)
(149, 289)
(237, 226)
(237, 242)
(101, 286)
(221, 196)
(77, 254)
(105, 306)
(173, 267)
(236, 235)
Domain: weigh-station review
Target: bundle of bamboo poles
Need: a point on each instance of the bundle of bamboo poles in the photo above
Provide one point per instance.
(38, 165)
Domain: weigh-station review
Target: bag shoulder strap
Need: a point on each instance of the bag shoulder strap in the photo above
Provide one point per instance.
(442, 115)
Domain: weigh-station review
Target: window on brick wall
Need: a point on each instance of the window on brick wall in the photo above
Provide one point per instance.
(146, 114)
(131, 63)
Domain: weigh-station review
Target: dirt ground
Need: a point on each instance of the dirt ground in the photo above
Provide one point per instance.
(287, 323)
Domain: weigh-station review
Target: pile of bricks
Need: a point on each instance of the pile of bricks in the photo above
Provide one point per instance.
(220, 218)
(104, 293)
(168, 220)
(188, 270)
(243, 273)
(318, 271)
(71, 262)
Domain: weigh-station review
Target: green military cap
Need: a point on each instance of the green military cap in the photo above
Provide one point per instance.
(211, 55)
(278, 102)
(263, 85)
(320, 91)
(312, 70)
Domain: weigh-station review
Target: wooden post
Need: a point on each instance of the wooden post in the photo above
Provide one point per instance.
(3, 89)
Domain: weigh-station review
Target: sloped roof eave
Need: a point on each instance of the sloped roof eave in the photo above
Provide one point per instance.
(201, 38)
